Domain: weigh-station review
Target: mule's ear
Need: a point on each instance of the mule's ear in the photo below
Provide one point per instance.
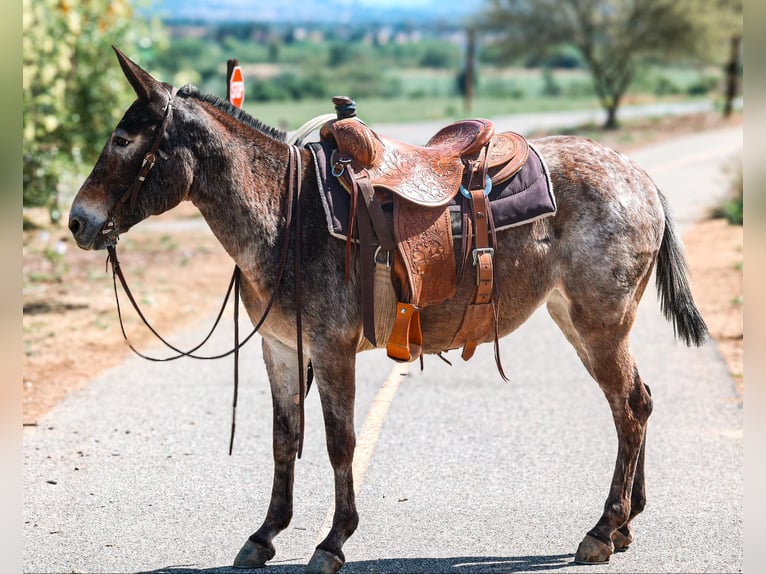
(143, 83)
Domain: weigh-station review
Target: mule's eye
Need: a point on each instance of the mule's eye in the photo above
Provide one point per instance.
(122, 142)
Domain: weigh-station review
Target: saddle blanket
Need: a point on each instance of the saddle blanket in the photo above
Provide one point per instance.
(525, 197)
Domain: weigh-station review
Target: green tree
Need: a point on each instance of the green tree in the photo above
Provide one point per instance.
(73, 94)
(614, 37)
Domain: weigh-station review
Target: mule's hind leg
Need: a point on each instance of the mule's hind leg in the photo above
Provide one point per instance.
(336, 383)
(602, 345)
(281, 365)
(623, 536)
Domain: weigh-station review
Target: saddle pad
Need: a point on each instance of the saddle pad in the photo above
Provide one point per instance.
(527, 196)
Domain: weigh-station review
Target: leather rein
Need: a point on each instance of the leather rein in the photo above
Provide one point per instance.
(292, 224)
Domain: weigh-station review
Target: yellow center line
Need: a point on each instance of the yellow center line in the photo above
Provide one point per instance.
(367, 438)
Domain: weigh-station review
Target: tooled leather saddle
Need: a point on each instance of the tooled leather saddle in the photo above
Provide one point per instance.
(400, 197)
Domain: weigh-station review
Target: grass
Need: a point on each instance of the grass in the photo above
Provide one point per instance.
(291, 115)
(429, 94)
(731, 209)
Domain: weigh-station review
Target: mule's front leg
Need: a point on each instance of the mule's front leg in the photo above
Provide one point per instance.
(336, 382)
(281, 365)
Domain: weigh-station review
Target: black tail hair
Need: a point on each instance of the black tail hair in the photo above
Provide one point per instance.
(673, 289)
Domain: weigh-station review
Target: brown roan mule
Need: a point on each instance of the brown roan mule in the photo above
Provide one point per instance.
(590, 265)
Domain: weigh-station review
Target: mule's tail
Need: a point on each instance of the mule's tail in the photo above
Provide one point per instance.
(673, 289)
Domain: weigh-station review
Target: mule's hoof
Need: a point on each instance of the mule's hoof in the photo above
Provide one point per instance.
(323, 562)
(621, 538)
(253, 555)
(593, 551)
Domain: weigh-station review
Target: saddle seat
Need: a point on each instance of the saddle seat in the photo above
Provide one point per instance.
(427, 175)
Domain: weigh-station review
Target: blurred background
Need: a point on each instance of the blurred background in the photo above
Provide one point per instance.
(401, 60)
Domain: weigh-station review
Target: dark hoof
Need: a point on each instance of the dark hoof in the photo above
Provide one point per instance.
(323, 562)
(621, 538)
(593, 551)
(253, 555)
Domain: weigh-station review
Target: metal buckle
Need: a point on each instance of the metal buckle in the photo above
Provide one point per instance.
(388, 257)
(487, 188)
(477, 252)
(109, 229)
(341, 161)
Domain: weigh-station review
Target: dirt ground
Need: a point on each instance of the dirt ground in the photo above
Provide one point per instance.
(71, 333)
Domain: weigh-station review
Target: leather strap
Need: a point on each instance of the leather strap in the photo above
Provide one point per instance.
(294, 193)
(365, 213)
(367, 279)
(479, 317)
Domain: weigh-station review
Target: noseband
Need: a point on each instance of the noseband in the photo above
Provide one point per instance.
(150, 158)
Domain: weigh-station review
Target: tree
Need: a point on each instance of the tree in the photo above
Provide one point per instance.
(72, 92)
(614, 37)
(728, 26)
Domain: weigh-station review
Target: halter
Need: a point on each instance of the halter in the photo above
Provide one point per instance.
(150, 158)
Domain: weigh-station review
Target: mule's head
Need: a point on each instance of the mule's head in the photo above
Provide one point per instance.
(114, 197)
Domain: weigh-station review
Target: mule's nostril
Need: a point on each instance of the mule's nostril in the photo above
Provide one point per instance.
(74, 226)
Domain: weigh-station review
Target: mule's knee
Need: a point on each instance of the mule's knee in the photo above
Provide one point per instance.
(341, 451)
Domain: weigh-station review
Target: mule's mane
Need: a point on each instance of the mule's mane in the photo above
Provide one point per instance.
(190, 91)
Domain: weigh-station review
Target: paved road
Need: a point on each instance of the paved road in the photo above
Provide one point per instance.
(456, 470)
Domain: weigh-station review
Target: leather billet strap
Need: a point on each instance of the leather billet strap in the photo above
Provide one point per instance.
(479, 316)
(373, 231)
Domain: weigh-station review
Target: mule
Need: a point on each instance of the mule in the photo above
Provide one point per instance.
(589, 264)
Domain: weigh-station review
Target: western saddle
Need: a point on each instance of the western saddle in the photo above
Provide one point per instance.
(417, 184)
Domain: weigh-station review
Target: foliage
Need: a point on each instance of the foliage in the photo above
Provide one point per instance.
(614, 38)
(72, 98)
(732, 208)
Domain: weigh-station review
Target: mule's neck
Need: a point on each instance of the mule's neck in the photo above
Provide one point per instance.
(240, 187)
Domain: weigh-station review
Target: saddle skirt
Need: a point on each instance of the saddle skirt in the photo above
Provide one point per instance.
(523, 198)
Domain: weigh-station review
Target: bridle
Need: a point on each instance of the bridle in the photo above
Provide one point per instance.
(292, 223)
(150, 158)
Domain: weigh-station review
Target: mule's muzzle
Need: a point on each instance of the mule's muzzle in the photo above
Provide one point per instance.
(86, 227)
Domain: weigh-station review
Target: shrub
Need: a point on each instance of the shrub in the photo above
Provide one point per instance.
(731, 208)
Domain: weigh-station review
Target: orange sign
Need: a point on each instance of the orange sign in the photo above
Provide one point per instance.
(237, 87)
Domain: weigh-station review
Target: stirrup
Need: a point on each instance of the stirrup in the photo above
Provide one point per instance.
(406, 341)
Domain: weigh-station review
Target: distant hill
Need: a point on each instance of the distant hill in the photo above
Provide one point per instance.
(307, 11)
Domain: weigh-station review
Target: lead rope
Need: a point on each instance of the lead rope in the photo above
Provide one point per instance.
(236, 358)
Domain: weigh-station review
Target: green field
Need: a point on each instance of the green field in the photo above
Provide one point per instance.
(430, 95)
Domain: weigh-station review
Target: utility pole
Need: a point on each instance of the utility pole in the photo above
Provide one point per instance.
(732, 75)
(469, 78)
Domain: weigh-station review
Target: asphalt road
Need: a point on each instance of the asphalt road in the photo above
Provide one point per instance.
(456, 470)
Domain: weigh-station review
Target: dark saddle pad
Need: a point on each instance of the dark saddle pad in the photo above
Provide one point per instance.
(526, 196)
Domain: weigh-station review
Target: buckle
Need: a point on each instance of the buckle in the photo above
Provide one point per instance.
(388, 257)
(480, 251)
(487, 188)
(340, 165)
